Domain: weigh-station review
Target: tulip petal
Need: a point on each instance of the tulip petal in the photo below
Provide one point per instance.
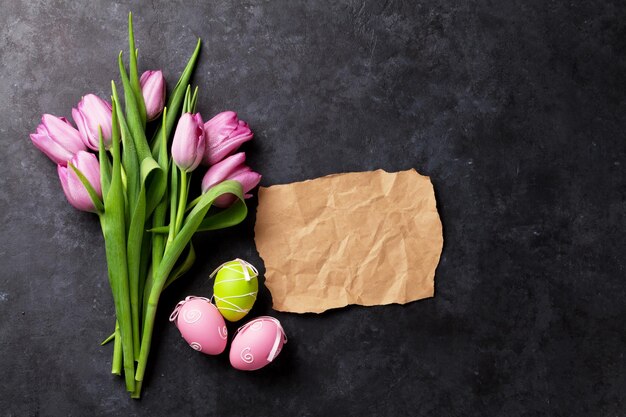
(188, 140)
(62, 171)
(80, 123)
(221, 125)
(248, 180)
(153, 90)
(93, 112)
(224, 134)
(144, 77)
(71, 193)
(74, 190)
(217, 153)
(88, 164)
(199, 152)
(221, 171)
(62, 132)
(53, 150)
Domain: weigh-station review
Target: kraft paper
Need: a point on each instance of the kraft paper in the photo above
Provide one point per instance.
(366, 238)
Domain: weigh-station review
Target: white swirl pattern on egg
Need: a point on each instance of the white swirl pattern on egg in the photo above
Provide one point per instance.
(192, 316)
(246, 356)
(223, 332)
(257, 326)
(195, 346)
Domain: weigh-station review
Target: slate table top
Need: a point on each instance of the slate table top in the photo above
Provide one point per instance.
(517, 112)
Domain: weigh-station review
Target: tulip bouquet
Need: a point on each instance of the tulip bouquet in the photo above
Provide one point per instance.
(140, 189)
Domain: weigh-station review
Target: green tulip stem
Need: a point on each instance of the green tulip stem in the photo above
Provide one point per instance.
(182, 201)
(137, 393)
(102, 226)
(116, 363)
(108, 339)
(116, 366)
(173, 205)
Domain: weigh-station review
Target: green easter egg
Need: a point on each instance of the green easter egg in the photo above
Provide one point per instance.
(234, 295)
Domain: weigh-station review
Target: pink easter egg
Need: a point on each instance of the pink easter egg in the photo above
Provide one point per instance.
(257, 343)
(201, 325)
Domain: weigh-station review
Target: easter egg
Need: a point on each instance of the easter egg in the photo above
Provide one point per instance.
(257, 343)
(235, 288)
(201, 325)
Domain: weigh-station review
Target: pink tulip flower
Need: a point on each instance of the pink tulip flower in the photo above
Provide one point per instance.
(58, 139)
(90, 113)
(74, 190)
(231, 168)
(224, 133)
(188, 143)
(153, 91)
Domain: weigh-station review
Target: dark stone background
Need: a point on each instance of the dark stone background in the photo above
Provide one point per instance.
(515, 109)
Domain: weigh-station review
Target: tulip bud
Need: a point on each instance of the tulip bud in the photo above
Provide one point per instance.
(74, 190)
(188, 142)
(231, 168)
(57, 138)
(90, 113)
(224, 133)
(153, 91)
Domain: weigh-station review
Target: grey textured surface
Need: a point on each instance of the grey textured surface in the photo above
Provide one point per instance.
(515, 109)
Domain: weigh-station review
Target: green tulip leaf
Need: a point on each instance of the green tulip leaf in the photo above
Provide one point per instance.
(93, 195)
(114, 228)
(175, 100)
(105, 164)
(130, 162)
(134, 75)
(228, 217)
(187, 100)
(181, 269)
(158, 185)
(148, 165)
(133, 253)
(135, 125)
(194, 101)
(231, 216)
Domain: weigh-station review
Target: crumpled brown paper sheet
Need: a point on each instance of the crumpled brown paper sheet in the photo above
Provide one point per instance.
(363, 238)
